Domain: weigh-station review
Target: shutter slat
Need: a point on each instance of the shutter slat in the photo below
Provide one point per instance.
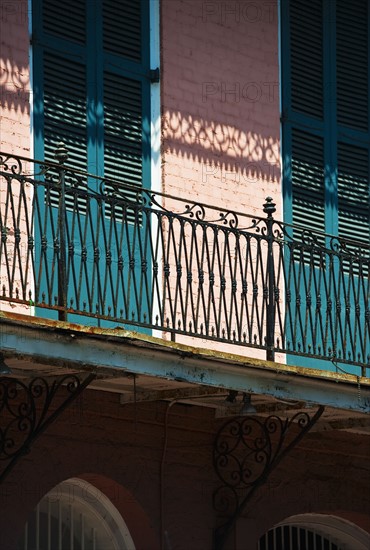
(122, 28)
(66, 19)
(65, 107)
(308, 180)
(65, 114)
(353, 192)
(352, 63)
(123, 134)
(306, 49)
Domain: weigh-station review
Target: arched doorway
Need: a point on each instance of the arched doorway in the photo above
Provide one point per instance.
(75, 515)
(315, 532)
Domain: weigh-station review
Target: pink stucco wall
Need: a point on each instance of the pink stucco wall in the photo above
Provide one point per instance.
(15, 135)
(14, 78)
(220, 102)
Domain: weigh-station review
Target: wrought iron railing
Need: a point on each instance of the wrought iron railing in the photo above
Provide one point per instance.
(97, 251)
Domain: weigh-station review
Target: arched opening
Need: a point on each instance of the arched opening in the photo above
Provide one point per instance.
(75, 515)
(315, 532)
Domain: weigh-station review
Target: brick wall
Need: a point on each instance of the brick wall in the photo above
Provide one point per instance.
(220, 102)
(153, 462)
(14, 77)
(15, 134)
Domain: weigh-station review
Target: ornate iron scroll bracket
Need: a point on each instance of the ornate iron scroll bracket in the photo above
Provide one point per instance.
(25, 412)
(246, 451)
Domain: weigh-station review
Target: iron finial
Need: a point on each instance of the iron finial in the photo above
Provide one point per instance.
(269, 206)
(61, 153)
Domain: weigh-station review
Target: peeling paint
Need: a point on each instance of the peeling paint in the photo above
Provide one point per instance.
(125, 352)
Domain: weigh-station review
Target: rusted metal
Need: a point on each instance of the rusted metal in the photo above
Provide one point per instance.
(118, 351)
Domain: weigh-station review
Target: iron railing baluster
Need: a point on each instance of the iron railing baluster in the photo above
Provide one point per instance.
(61, 156)
(125, 254)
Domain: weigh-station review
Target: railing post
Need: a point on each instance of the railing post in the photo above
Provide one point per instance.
(269, 209)
(61, 155)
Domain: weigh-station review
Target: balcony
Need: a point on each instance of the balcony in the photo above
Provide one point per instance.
(78, 248)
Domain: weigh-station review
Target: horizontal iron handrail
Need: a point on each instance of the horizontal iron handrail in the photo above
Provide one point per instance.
(47, 165)
(88, 246)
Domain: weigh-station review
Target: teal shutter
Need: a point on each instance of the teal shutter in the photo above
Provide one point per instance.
(352, 58)
(308, 180)
(326, 172)
(353, 73)
(65, 108)
(91, 62)
(353, 192)
(306, 59)
(325, 101)
(91, 68)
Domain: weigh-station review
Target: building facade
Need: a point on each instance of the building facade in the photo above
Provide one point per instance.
(184, 275)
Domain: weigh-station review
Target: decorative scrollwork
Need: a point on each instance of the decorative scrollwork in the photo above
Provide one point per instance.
(11, 164)
(246, 450)
(228, 218)
(311, 239)
(194, 210)
(25, 411)
(349, 249)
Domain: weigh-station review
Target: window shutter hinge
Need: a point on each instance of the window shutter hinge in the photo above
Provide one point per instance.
(154, 75)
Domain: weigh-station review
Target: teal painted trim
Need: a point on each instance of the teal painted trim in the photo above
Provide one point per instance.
(357, 137)
(93, 74)
(38, 101)
(306, 122)
(38, 79)
(146, 136)
(330, 118)
(97, 61)
(368, 73)
(286, 130)
(125, 353)
(146, 107)
(145, 33)
(130, 68)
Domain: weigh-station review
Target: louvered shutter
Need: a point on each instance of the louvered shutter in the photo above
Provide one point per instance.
(304, 112)
(94, 87)
(65, 108)
(326, 143)
(308, 180)
(92, 82)
(326, 137)
(123, 143)
(122, 28)
(63, 24)
(306, 48)
(353, 192)
(352, 61)
(126, 97)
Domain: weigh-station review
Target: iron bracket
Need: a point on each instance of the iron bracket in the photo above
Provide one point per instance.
(25, 409)
(246, 451)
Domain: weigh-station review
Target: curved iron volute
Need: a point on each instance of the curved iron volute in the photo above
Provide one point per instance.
(25, 412)
(246, 450)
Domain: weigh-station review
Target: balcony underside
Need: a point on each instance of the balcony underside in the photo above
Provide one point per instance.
(142, 367)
